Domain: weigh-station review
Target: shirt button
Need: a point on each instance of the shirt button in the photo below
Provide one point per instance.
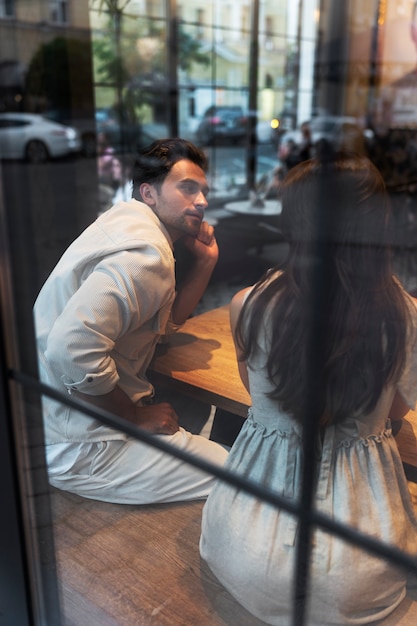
(90, 379)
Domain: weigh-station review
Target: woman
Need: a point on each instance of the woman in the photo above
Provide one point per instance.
(330, 333)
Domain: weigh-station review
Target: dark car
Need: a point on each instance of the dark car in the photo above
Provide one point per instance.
(227, 123)
(341, 132)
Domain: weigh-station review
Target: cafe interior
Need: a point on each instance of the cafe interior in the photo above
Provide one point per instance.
(238, 79)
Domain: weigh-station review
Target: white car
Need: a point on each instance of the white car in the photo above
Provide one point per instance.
(32, 137)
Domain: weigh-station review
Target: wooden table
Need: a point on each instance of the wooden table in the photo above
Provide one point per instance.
(200, 361)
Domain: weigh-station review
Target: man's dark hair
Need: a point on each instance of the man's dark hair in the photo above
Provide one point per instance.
(154, 162)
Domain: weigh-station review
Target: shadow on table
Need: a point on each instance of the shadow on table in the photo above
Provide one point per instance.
(199, 358)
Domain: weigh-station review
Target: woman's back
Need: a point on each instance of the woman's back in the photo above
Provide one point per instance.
(359, 478)
(250, 546)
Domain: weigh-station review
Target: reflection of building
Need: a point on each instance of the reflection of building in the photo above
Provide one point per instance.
(224, 30)
(300, 65)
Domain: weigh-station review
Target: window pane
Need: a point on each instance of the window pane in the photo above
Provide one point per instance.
(259, 87)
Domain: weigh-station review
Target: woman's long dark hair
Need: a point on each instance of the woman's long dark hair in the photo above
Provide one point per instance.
(337, 282)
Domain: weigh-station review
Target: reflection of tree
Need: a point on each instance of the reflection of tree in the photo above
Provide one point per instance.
(109, 51)
(189, 51)
(60, 74)
(134, 58)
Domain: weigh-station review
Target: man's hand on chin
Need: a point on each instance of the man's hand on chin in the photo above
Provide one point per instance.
(204, 245)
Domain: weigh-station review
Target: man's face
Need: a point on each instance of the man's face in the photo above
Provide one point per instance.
(181, 200)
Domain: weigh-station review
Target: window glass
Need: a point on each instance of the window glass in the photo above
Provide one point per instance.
(58, 11)
(7, 8)
(259, 86)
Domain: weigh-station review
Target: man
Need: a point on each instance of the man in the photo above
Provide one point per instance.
(98, 319)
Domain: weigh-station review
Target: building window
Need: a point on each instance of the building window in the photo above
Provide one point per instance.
(269, 26)
(7, 8)
(245, 20)
(200, 18)
(269, 32)
(58, 11)
(149, 8)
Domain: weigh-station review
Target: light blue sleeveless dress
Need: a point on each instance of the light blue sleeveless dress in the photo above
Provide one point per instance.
(250, 545)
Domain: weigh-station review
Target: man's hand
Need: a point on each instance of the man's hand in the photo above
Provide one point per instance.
(155, 418)
(159, 419)
(205, 250)
(204, 245)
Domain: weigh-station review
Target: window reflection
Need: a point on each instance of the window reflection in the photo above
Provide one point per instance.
(110, 75)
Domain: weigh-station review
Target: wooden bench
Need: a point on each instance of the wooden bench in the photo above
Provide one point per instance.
(122, 565)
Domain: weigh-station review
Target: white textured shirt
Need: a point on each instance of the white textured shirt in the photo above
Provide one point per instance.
(100, 314)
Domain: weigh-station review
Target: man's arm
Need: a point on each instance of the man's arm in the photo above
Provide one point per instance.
(159, 419)
(80, 344)
(205, 251)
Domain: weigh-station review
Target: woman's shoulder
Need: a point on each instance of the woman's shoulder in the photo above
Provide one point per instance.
(239, 298)
(408, 295)
(236, 305)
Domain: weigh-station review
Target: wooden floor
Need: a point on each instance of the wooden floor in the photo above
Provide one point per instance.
(121, 565)
(136, 566)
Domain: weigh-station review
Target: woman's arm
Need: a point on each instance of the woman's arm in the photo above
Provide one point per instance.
(235, 308)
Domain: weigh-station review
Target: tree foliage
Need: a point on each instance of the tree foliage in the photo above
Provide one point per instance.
(119, 59)
(60, 74)
(189, 51)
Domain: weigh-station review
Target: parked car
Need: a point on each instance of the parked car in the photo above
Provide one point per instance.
(227, 123)
(34, 138)
(339, 131)
(84, 123)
